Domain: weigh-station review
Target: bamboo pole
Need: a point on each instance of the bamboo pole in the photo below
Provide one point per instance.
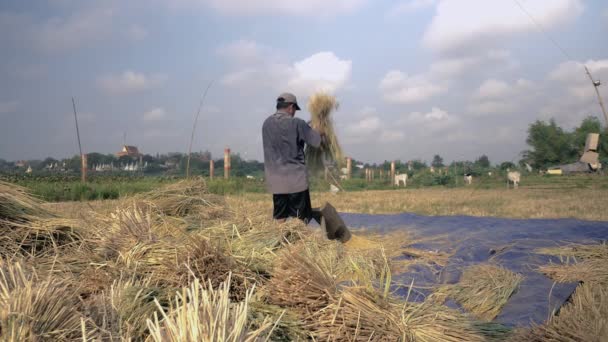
(599, 97)
(200, 105)
(226, 163)
(349, 168)
(83, 158)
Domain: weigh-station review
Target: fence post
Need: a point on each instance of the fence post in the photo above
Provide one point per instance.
(83, 159)
(349, 168)
(226, 163)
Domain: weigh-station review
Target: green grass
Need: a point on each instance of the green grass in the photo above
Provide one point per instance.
(60, 189)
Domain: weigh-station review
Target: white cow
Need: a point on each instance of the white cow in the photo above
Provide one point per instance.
(249, 177)
(401, 178)
(468, 178)
(513, 177)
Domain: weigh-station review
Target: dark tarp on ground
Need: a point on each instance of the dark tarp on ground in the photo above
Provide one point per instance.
(509, 243)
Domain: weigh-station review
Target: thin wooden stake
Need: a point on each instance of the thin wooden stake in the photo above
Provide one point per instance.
(83, 166)
(200, 106)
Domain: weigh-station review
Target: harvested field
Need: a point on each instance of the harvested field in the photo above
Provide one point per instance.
(179, 264)
(585, 204)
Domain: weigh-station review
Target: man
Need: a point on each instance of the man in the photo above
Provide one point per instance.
(284, 137)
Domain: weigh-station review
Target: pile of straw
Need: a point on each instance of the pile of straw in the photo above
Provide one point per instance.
(582, 319)
(321, 106)
(33, 308)
(202, 313)
(482, 290)
(27, 228)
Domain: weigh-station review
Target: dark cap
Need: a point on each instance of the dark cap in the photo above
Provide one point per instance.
(288, 98)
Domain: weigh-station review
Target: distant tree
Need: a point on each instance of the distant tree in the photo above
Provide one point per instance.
(550, 145)
(437, 161)
(483, 162)
(507, 165)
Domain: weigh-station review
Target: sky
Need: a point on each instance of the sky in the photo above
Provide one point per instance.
(414, 78)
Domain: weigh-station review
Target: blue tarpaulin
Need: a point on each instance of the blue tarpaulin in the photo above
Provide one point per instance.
(510, 243)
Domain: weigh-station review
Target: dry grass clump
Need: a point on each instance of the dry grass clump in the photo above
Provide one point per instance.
(188, 197)
(587, 263)
(320, 106)
(121, 312)
(305, 277)
(35, 309)
(366, 314)
(202, 313)
(257, 248)
(482, 290)
(584, 319)
(27, 228)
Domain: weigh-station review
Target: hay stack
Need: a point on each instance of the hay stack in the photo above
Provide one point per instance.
(321, 106)
(202, 313)
(482, 290)
(27, 228)
(185, 198)
(33, 309)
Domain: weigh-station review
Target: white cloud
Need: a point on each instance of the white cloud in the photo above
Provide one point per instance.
(321, 71)
(465, 24)
(136, 32)
(435, 120)
(397, 87)
(499, 97)
(130, 81)
(85, 27)
(410, 6)
(572, 75)
(294, 7)
(155, 114)
(8, 106)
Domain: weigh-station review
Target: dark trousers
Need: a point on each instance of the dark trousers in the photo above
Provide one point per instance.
(294, 205)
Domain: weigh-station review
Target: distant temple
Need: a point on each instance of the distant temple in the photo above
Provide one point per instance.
(130, 151)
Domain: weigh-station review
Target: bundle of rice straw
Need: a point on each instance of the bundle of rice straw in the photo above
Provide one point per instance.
(320, 106)
(202, 313)
(482, 290)
(33, 309)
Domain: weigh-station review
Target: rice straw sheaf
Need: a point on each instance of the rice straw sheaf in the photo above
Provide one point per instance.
(36, 309)
(305, 277)
(16, 205)
(482, 290)
(288, 326)
(365, 314)
(184, 198)
(584, 318)
(257, 248)
(321, 105)
(587, 263)
(27, 228)
(122, 311)
(202, 313)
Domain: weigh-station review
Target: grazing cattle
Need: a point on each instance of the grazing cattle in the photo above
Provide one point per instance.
(468, 178)
(401, 178)
(513, 177)
(333, 189)
(249, 177)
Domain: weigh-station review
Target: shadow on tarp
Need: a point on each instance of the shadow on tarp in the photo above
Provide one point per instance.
(510, 243)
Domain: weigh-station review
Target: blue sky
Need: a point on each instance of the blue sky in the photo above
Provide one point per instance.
(416, 77)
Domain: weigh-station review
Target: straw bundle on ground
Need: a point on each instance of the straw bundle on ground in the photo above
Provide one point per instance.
(482, 290)
(365, 314)
(305, 277)
(27, 228)
(321, 106)
(257, 248)
(587, 263)
(34, 309)
(201, 313)
(583, 319)
(121, 313)
(184, 198)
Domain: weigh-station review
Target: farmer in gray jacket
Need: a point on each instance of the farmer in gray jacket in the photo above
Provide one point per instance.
(284, 138)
